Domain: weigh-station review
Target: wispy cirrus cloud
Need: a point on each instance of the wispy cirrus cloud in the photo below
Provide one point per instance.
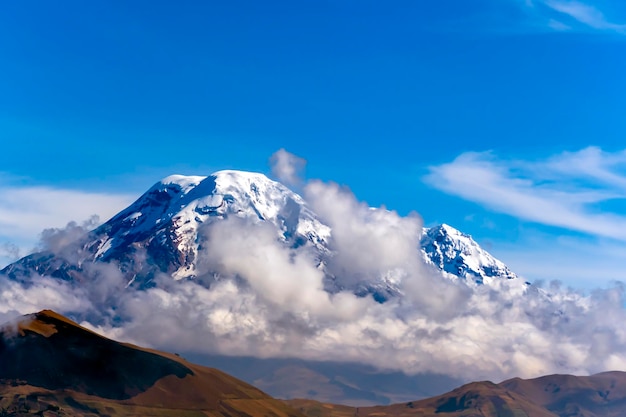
(570, 190)
(585, 14)
(25, 211)
(563, 15)
(558, 25)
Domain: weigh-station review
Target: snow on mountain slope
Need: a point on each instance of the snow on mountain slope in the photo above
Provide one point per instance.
(456, 253)
(166, 219)
(161, 232)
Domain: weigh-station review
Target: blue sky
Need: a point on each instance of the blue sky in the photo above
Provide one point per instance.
(503, 118)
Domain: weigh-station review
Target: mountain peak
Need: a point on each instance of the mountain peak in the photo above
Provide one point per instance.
(236, 173)
(223, 178)
(166, 220)
(183, 181)
(450, 230)
(458, 254)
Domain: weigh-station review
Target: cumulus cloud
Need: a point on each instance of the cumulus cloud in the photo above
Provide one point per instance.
(372, 243)
(55, 239)
(279, 276)
(564, 190)
(265, 298)
(287, 167)
(20, 298)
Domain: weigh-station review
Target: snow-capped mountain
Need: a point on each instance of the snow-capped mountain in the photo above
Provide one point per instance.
(166, 220)
(162, 232)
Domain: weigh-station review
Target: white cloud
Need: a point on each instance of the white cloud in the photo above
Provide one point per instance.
(563, 191)
(372, 243)
(271, 270)
(287, 167)
(19, 299)
(26, 211)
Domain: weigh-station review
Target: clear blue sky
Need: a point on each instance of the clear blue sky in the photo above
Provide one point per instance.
(109, 97)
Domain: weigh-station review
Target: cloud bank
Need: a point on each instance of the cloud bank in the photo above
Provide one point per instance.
(266, 299)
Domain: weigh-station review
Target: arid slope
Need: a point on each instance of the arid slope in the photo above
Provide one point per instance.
(50, 365)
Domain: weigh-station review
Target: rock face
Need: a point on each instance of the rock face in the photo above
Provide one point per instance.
(163, 233)
(51, 364)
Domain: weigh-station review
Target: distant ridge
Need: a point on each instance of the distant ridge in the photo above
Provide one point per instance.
(601, 395)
